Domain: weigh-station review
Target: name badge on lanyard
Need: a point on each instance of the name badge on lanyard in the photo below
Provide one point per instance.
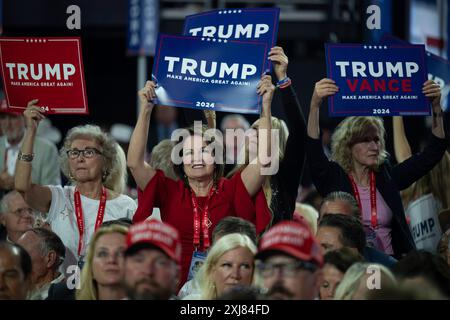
(198, 258)
(80, 262)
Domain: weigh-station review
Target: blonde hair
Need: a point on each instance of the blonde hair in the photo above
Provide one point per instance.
(350, 131)
(223, 245)
(309, 213)
(277, 124)
(88, 286)
(160, 158)
(114, 169)
(436, 182)
(355, 274)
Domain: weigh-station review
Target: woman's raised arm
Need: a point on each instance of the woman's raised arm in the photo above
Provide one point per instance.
(38, 197)
(140, 169)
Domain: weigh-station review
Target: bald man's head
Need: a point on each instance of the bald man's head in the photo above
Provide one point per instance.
(15, 272)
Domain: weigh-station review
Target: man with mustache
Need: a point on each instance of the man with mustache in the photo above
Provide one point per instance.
(291, 262)
(152, 261)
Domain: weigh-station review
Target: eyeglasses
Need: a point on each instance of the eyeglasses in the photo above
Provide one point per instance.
(23, 211)
(286, 269)
(366, 139)
(87, 153)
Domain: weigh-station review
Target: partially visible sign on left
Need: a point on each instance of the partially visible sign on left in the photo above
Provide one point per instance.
(49, 69)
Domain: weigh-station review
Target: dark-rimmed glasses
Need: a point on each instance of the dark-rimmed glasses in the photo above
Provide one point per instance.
(87, 153)
(22, 211)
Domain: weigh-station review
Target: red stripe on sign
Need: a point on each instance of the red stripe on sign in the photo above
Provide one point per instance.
(435, 42)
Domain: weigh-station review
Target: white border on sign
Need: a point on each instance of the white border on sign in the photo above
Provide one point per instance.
(65, 110)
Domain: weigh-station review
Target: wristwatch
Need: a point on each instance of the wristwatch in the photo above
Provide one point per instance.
(25, 157)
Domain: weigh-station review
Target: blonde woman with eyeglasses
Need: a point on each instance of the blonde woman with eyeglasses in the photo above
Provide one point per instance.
(96, 167)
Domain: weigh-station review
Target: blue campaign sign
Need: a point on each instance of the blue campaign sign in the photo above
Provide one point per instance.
(212, 74)
(257, 24)
(438, 68)
(143, 20)
(377, 79)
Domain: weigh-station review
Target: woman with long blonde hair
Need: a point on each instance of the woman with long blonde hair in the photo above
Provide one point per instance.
(281, 187)
(435, 182)
(102, 273)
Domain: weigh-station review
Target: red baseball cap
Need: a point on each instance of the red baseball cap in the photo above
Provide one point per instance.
(292, 238)
(157, 234)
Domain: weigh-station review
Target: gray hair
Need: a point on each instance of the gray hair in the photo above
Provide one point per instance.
(161, 158)
(346, 197)
(51, 242)
(115, 171)
(4, 203)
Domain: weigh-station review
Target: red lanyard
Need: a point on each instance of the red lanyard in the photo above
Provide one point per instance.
(373, 198)
(205, 222)
(79, 215)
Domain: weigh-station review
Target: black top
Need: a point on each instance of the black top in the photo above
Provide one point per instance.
(328, 176)
(60, 291)
(285, 183)
(3, 232)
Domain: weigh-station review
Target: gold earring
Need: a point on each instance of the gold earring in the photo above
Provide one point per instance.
(104, 176)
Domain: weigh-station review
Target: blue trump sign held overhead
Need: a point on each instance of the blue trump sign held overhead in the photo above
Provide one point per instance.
(257, 24)
(207, 73)
(438, 68)
(377, 80)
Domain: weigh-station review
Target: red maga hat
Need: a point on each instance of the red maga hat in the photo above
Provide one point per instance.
(157, 234)
(292, 238)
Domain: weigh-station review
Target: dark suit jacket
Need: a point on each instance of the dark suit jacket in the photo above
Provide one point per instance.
(328, 176)
(60, 291)
(375, 256)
